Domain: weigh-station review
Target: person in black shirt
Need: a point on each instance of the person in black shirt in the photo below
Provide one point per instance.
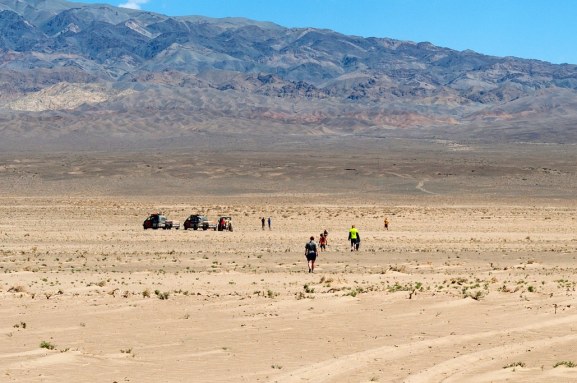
(311, 254)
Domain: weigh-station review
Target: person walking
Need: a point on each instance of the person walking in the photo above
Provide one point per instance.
(323, 242)
(386, 223)
(262, 222)
(353, 234)
(358, 242)
(311, 254)
(269, 223)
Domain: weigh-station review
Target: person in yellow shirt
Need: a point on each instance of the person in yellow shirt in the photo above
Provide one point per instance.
(353, 236)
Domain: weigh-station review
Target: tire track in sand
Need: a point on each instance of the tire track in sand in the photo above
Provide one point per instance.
(457, 369)
(329, 370)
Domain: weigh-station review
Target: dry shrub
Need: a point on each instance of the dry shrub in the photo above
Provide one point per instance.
(17, 289)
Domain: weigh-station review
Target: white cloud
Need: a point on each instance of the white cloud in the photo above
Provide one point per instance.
(133, 4)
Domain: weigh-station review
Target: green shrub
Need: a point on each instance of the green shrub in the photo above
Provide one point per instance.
(47, 345)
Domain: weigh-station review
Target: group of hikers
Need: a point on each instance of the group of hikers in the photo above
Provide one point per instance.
(269, 221)
(312, 249)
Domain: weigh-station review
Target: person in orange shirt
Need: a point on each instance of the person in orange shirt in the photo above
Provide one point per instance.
(323, 242)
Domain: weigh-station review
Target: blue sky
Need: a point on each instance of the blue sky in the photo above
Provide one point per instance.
(539, 29)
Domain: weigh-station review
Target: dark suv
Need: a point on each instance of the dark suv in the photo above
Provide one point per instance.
(196, 221)
(159, 221)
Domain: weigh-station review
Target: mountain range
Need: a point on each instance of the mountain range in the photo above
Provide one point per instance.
(72, 72)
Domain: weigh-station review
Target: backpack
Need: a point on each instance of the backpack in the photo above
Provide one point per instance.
(311, 247)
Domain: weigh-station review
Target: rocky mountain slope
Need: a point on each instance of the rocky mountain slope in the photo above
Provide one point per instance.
(101, 71)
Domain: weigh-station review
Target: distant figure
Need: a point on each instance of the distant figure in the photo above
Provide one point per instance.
(386, 223)
(326, 233)
(311, 254)
(358, 242)
(269, 222)
(353, 234)
(323, 242)
(262, 222)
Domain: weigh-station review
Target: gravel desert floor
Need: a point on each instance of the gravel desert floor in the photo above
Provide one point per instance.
(461, 288)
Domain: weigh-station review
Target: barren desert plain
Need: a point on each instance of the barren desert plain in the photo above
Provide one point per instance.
(474, 282)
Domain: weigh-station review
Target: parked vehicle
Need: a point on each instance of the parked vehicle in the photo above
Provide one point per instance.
(159, 221)
(224, 223)
(197, 221)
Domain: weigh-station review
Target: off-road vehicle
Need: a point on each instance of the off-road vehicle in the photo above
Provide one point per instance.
(197, 221)
(224, 223)
(159, 221)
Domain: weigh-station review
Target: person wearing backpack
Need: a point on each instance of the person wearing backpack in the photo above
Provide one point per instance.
(311, 254)
(353, 233)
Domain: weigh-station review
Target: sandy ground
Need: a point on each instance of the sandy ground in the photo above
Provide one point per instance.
(468, 292)
(474, 281)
